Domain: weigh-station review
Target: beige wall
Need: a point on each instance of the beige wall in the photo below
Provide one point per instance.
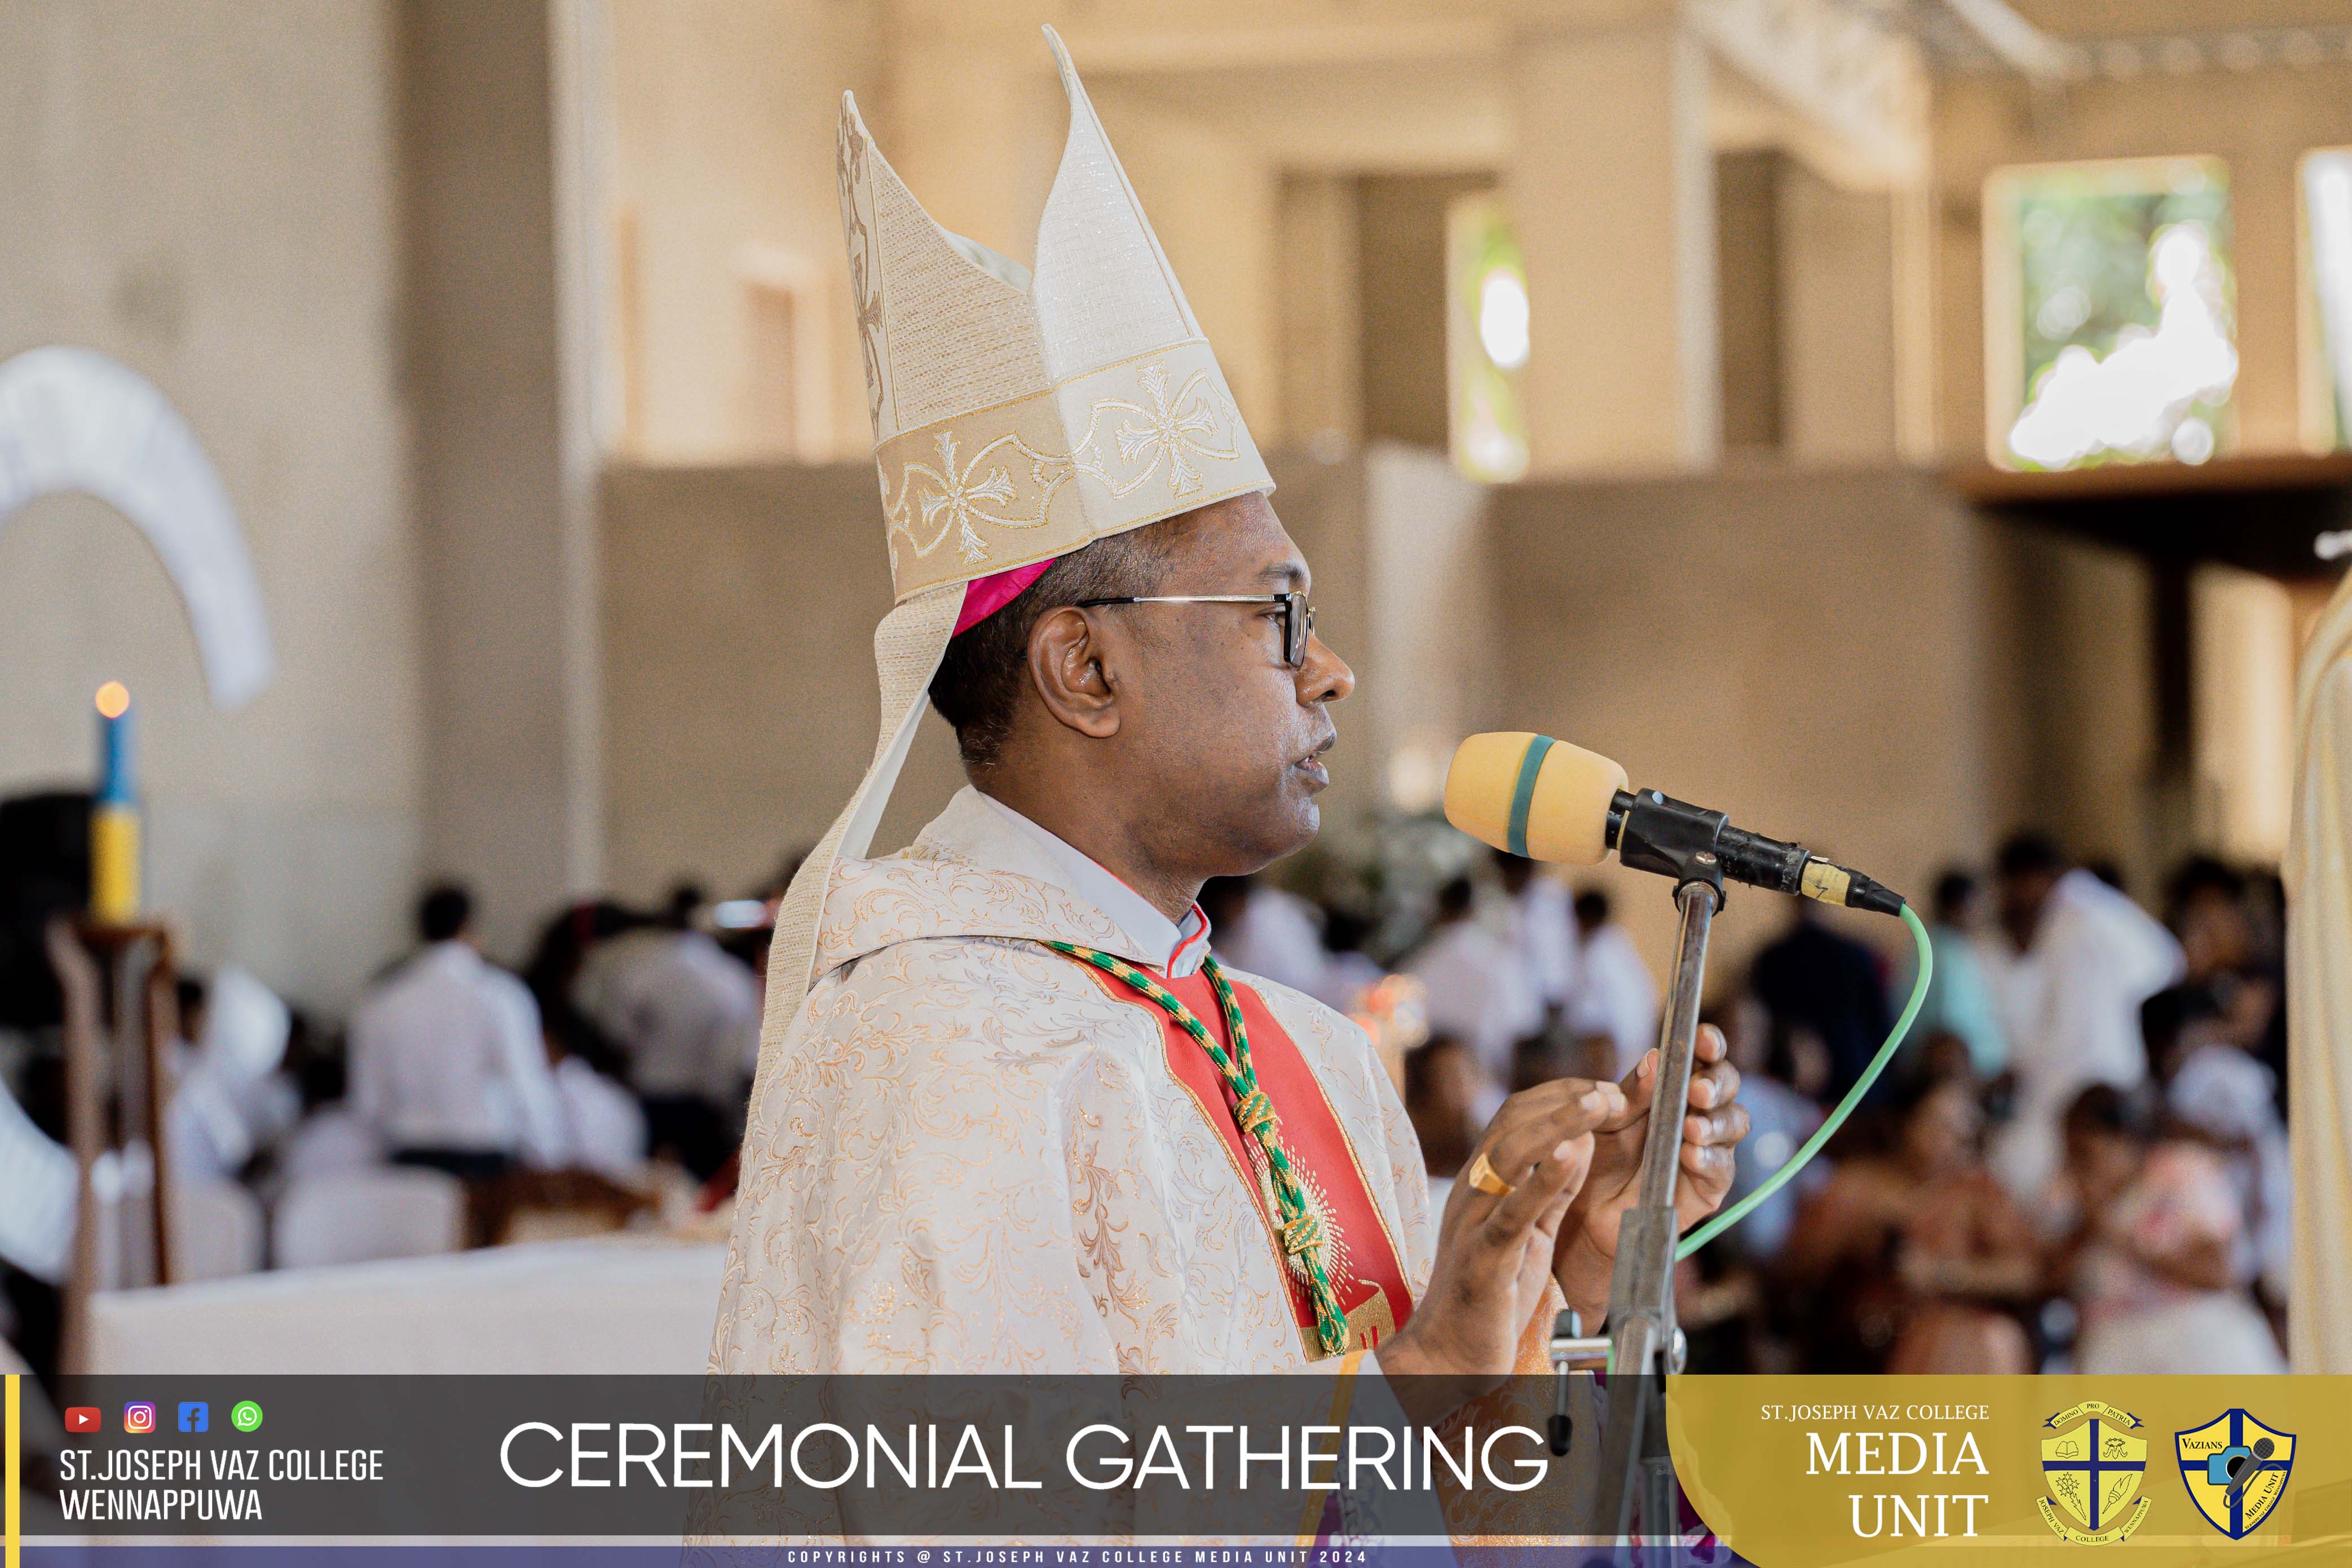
(2073, 628)
(739, 615)
(1747, 290)
(724, 133)
(974, 125)
(1837, 302)
(154, 213)
(1401, 261)
(1610, 187)
(723, 116)
(1806, 280)
(1806, 652)
(1319, 312)
(723, 156)
(2260, 122)
(510, 567)
(2246, 645)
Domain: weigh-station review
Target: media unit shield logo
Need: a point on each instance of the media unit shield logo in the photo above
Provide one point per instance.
(2235, 1469)
(2092, 1463)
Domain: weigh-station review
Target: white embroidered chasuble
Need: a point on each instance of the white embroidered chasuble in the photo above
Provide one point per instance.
(967, 1155)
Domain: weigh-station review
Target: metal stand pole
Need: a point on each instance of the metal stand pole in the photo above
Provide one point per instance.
(1636, 1480)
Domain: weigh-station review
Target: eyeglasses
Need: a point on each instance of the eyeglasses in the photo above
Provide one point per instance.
(1298, 615)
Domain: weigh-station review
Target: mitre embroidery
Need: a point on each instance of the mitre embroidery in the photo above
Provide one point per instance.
(865, 275)
(1142, 430)
(1173, 428)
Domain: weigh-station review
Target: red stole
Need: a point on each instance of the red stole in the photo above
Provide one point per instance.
(1365, 1269)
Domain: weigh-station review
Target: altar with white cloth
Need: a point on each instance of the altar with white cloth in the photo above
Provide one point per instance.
(615, 1304)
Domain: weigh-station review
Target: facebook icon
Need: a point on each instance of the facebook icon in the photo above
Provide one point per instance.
(195, 1416)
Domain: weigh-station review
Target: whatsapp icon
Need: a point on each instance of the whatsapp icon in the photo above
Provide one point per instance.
(244, 1416)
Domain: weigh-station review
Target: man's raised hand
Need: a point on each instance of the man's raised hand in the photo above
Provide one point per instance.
(1713, 1123)
(1495, 1250)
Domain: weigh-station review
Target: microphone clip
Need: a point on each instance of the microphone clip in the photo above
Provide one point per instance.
(1653, 832)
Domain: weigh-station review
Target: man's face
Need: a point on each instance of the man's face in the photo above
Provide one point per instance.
(1215, 724)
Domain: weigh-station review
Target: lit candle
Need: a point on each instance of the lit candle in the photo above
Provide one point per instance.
(114, 814)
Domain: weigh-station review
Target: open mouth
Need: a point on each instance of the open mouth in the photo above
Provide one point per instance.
(1311, 765)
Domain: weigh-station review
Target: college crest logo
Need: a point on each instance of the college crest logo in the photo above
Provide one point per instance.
(2235, 1468)
(2092, 1463)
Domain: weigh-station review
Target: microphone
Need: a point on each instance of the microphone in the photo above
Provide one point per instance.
(1533, 796)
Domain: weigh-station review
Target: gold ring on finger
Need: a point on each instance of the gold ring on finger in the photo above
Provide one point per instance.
(1481, 1174)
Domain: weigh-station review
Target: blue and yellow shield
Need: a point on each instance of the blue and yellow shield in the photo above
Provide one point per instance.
(2092, 1467)
(2235, 1468)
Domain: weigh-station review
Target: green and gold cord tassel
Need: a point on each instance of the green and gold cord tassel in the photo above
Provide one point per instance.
(1302, 1229)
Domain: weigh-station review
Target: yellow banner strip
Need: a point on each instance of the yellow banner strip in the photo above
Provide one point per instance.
(16, 1478)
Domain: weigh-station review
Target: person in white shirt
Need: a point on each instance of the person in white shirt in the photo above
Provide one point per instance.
(1479, 991)
(1616, 996)
(603, 1125)
(1268, 932)
(2087, 958)
(687, 1014)
(228, 1099)
(1349, 974)
(447, 1064)
(1543, 930)
(43, 1185)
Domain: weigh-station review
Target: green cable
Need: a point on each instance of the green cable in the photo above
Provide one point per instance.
(1777, 1179)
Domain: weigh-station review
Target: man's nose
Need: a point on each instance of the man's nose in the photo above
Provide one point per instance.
(1324, 677)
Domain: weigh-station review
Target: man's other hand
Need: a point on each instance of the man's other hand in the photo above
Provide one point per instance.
(1713, 1125)
(1495, 1251)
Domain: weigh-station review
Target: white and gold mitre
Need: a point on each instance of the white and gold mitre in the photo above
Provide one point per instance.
(1018, 417)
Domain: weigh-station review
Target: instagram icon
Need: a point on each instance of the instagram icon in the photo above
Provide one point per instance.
(138, 1418)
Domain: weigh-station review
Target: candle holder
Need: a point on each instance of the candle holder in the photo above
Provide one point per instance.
(122, 1045)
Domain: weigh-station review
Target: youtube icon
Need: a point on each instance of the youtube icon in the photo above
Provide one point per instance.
(82, 1418)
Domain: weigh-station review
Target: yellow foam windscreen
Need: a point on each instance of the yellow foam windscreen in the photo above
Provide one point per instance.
(1533, 796)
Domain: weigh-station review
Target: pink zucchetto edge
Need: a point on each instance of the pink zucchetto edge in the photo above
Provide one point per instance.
(984, 596)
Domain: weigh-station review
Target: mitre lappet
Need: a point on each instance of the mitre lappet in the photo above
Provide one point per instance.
(1018, 416)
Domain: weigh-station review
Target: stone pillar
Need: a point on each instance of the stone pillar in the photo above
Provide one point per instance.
(2242, 647)
(1917, 199)
(1320, 314)
(1840, 388)
(1748, 295)
(512, 787)
(1611, 186)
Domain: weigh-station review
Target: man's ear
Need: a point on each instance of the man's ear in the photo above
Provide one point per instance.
(1066, 659)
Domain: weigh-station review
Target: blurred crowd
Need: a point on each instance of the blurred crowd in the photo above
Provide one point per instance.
(2076, 1160)
(460, 1104)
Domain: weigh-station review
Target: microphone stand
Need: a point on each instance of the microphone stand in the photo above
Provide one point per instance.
(1636, 1494)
